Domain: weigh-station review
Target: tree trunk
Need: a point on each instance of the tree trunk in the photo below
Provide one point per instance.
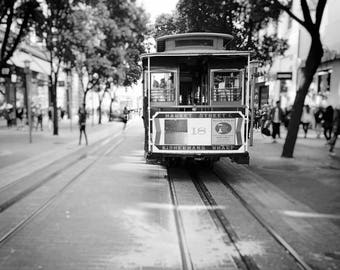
(312, 62)
(55, 108)
(100, 113)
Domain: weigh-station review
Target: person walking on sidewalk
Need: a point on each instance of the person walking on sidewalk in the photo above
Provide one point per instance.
(336, 130)
(82, 123)
(39, 118)
(307, 119)
(20, 116)
(327, 123)
(50, 114)
(125, 116)
(276, 117)
(318, 115)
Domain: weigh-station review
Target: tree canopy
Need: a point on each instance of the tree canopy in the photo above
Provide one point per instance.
(242, 19)
(106, 40)
(16, 18)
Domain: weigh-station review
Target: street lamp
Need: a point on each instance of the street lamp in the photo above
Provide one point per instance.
(28, 76)
(254, 64)
(69, 92)
(13, 92)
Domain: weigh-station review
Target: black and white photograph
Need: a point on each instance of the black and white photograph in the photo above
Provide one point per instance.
(169, 135)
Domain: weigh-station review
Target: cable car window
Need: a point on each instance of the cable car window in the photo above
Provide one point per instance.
(193, 88)
(163, 86)
(226, 86)
(194, 42)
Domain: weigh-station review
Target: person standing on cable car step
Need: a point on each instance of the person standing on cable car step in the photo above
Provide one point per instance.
(276, 117)
(82, 123)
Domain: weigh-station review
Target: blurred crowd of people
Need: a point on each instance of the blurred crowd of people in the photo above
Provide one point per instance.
(323, 120)
(19, 116)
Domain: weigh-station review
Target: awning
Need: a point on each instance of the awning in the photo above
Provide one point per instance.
(37, 64)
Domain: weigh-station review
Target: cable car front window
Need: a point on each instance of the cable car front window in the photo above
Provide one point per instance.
(163, 86)
(226, 86)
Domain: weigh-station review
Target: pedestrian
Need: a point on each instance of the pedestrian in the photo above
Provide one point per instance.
(50, 113)
(33, 115)
(62, 113)
(287, 115)
(327, 123)
(336, 130)
(82, 124)
(257, 118)
(7, 116)
(39, 118)
(264, 116)
(19, 116)
(276, 117)
(318, 121)
(125, 116)
(307, 119)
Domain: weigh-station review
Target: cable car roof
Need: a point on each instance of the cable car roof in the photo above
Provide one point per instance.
(196, 34)
(207, 52)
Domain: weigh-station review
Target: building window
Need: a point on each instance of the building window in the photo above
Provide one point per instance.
(324, 81)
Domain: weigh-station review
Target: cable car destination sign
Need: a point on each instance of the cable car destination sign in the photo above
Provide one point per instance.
(197, 131)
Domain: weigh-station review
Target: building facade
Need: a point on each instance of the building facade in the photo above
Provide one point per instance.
(13, 92)
(284, 75)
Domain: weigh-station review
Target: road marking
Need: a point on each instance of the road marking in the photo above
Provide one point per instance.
(309, 215)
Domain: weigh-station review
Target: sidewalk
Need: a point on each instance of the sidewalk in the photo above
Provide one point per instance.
(19, 158)
(15, 146)
(311, 177)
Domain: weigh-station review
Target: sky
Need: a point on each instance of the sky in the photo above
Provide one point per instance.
(157, 7)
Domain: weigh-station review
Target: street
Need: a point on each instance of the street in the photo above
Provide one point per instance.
(103, 206)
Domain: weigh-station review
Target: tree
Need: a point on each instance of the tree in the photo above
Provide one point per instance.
(132, 21)
(242, 19)
(312, 62)
(110, 45)
(16, 18)
(55, 31)
(92, 57)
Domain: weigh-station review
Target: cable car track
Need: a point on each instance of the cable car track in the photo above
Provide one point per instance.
(21, 224)
(244, 261)
(34, 184)
(289, 249)
(184, 250)
(221, 221)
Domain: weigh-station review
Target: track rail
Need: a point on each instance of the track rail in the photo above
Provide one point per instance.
(244, 261)
(37, 183)
(20, 225)
(25, 192)
(185, 254)
(289, 249)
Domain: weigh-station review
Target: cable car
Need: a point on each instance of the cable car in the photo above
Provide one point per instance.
(196, 98)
